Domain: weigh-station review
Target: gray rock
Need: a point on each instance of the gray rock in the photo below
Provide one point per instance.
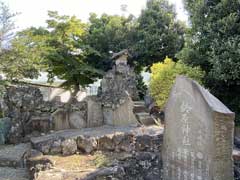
(77, 120)
(106, 143)
(5, 127)
(107, 138)
(124, 142)
(7, 173)
(43, 143)
(34, 153)
(69, 147)
(56, 147)
(87, 144)
(143, 143)
(14, 155)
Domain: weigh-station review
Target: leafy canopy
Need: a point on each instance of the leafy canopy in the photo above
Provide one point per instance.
(213, 42)
(163, 75)
(158, 33)
(65, 57)
(25, 57)
(107, 34)
(6, 24)
(79, 52)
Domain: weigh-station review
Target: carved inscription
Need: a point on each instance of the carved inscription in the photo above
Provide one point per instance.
(222, 138)
(196, 138)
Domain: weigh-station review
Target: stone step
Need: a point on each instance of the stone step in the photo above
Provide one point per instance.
(139, 103)
(14, 155)
(145, 118)
(139, 109)
(7, 173)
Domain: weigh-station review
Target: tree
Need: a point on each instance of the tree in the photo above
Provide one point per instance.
(78, 52)
(6, 24)
(213, 43)
(24, 59)
(154, 35)
(163, 75)
(158, 33)
(66, 55)
(57, 49)
(107, 34)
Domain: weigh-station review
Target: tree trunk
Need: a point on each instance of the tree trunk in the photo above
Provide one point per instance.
(73, 97)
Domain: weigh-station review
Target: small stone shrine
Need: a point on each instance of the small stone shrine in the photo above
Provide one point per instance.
(198, 137)
(117, 90)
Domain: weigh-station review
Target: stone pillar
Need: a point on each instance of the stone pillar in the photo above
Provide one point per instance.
(198, 137)
(94, 112)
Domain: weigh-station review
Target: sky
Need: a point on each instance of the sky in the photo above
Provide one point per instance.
(34, 12)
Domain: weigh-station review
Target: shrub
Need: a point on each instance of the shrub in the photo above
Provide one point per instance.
(163, 75)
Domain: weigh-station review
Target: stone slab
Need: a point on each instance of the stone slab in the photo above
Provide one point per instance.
(7, 173)
(198, 137)
(13, 155)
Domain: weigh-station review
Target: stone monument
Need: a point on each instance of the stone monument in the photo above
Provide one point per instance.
(198, 137)
(118, 88)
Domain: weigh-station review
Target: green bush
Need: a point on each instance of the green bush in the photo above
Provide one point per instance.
(163, 76)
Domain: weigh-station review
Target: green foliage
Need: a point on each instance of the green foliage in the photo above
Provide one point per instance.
(141, 86)
(79, 52)
(66, 56)
(25, 57)
(105, 34)
(158, 33)
(213, 42)
(163, 76)
(57, 49)
(154, 35)
(6, 24)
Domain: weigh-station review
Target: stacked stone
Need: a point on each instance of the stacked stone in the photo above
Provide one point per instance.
(117, 85)
(118, 89)
(20, 103)
(71, 142)
(25, 106)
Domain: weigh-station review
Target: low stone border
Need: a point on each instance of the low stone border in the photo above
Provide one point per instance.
(72, 142)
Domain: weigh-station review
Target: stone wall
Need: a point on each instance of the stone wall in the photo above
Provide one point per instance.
(89, 140)
(28, 112)
(19, 104)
